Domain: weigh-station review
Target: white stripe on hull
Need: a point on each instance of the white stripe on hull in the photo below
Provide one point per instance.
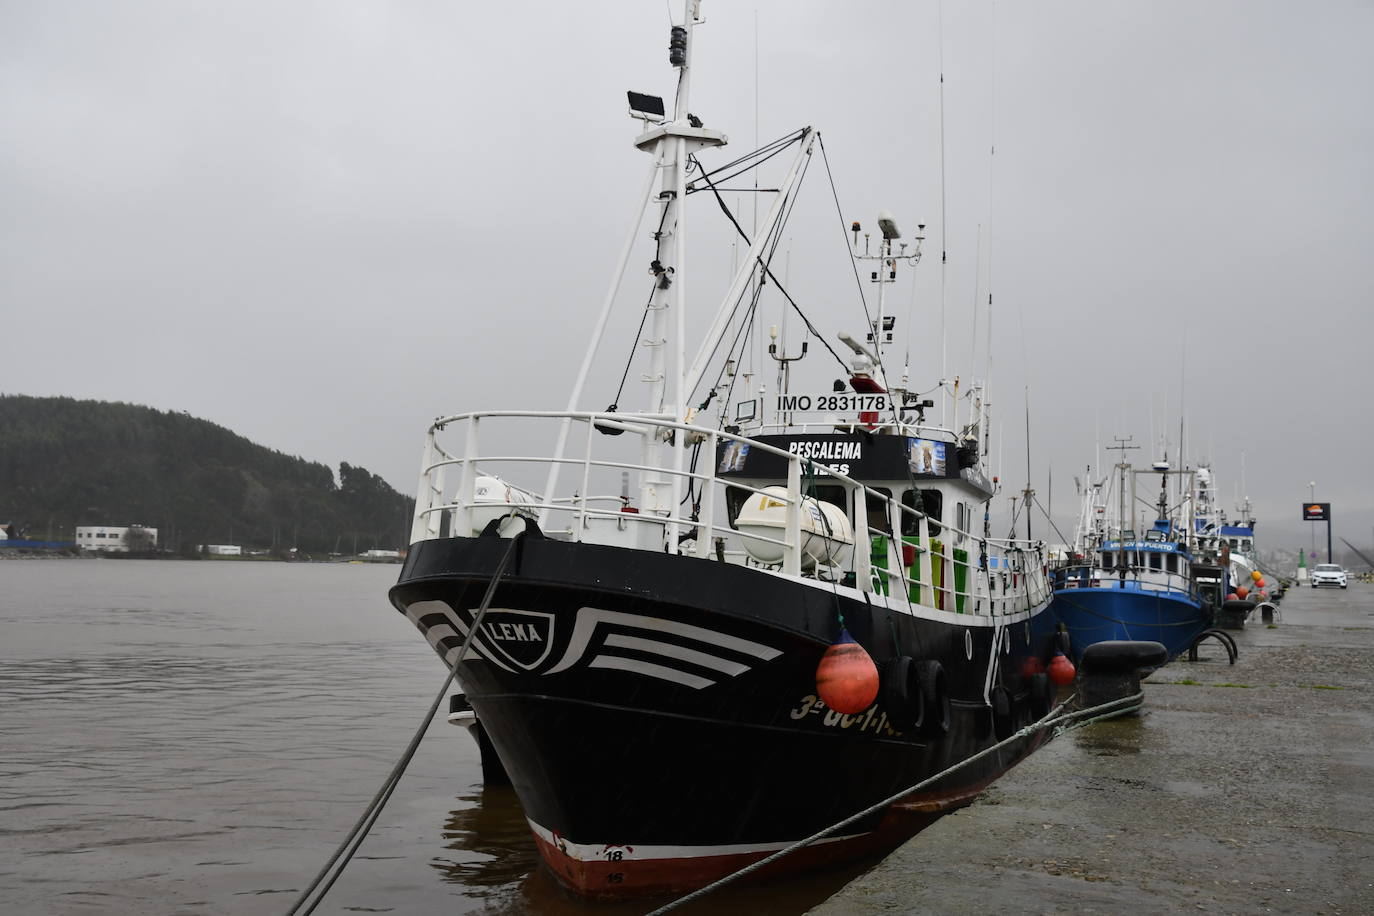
(592, 852)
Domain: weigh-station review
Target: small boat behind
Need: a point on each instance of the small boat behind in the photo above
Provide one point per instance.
(1132, 590)
(1160, 586)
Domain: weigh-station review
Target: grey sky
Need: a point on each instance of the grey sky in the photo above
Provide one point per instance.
(321, 224)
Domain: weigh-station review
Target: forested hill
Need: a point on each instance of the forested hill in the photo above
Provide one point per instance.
(65, 462)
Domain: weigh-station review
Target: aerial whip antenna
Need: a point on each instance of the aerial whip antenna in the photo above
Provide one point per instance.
(944, 243)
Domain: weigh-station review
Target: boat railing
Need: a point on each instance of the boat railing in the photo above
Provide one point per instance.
(927, 562)
(1133, 576)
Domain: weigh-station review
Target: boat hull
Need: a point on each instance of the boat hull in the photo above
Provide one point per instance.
(1093, 615)
(658, 714)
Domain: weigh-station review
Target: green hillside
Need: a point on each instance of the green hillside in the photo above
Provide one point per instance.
(65, 462)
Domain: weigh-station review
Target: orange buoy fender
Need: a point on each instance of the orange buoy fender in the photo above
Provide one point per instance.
(1241, 592)
(1259, 583)
(846, 678)
(1062, 670)
(1256, 574)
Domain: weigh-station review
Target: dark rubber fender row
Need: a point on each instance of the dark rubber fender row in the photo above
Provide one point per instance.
(915, 693)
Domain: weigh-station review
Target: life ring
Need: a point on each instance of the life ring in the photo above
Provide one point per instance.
(1041, 696)
(1003, 720)
(934, 685)
(902, 697)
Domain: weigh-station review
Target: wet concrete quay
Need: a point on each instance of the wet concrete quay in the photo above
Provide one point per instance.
(1241, 789)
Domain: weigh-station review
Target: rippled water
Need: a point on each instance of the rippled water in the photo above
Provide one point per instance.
(196, 737)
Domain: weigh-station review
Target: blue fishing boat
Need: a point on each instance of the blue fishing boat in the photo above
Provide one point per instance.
(1162, 585)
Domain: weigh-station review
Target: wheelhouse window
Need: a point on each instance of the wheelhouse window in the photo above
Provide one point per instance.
(1171, 563)
(931, 502)
(1155, 561)
(879, 516)
(1108, 559)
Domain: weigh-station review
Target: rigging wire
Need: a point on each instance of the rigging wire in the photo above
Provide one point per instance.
(658, 254)
(771, 149)
(844, 232)
(1045, 512)
(764, 264)
(615, 403)
(749, 323)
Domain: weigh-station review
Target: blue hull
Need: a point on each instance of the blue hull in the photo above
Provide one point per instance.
(1093, 615)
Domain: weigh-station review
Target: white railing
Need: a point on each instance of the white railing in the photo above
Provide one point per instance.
(953, 570)
(1131, 576)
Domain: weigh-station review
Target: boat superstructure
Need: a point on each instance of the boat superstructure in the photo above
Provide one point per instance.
(647, 670)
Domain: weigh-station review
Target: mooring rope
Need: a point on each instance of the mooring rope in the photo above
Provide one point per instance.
(363, 825)
(1061, 724)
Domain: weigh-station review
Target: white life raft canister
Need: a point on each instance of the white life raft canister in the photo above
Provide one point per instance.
(827, 538)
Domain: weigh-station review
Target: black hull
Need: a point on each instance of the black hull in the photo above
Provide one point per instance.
(658, 715)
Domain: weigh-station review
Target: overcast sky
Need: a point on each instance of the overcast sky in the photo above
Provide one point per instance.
(323, 224)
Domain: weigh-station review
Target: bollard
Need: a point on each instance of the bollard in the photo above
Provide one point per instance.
(1232, 615)
(1112, 669)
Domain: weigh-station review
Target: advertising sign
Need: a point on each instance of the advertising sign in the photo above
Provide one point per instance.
(1316, 512)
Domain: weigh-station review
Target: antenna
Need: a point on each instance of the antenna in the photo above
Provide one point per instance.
(992, 150)
(944, 238)
(1029, 492)
(1123, 446)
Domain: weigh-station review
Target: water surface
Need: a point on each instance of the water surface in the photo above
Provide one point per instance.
(197, 737)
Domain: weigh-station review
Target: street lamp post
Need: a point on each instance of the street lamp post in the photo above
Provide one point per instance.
(1312, 527)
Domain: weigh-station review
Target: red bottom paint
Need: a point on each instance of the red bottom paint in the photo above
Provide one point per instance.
(629, 877)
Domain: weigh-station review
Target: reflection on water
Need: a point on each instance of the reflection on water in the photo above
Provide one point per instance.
(198, 737)
(493, 857)
(489, 841)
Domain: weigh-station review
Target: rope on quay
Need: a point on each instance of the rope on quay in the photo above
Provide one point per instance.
(1060, 724)
(363, 825)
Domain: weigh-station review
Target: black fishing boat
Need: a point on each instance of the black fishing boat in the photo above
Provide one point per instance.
(647, 671)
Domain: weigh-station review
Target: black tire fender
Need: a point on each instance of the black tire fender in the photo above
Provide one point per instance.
(1041, 694)
(901, 693)
(934, 685)
(1003, 721)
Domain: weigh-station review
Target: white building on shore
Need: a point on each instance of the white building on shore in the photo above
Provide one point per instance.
(115, 539)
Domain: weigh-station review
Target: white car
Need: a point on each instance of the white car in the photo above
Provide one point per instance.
(1328, 574)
